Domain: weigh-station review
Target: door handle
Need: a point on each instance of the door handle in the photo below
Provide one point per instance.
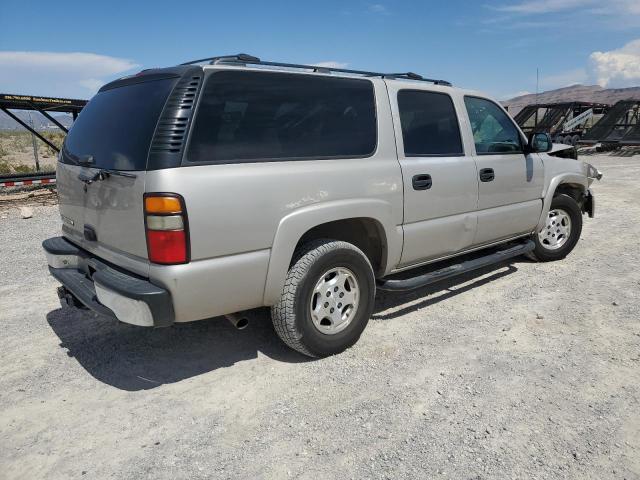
(487, 175)
(421, 182)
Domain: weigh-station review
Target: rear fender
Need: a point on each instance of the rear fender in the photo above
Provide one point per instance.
(292, 227)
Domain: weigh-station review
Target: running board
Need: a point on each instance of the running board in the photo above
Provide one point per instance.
(457, 269)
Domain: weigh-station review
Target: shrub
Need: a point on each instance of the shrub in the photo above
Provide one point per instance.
(54, 137)
(24, 169)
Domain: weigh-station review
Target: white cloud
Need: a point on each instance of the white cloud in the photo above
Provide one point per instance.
(92, 84)
(597, 7)
(75, 74)
(378, 8)
(617, 68)
(630, 6)
(331, 64)
(543, 6)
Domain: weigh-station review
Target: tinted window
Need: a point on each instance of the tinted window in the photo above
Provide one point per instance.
(493, 130)
(248, 116)
(429, 123)
(117, 125)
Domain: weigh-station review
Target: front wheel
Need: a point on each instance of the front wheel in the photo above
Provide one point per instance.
(327, 298)
(561, 231)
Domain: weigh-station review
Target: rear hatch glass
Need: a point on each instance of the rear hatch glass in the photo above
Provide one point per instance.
(117, 125)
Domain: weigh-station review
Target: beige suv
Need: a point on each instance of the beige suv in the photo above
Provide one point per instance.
(230, 183)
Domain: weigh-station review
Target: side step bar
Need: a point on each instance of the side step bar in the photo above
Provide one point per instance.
(457, 269)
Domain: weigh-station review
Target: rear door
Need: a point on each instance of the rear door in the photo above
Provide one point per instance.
(101, 176)
(440, 181)
(510, 181)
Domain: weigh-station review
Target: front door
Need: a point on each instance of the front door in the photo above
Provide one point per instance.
(510, 181)
(440, 181)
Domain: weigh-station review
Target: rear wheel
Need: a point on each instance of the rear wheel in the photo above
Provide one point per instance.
(327, 298)
(561, 231)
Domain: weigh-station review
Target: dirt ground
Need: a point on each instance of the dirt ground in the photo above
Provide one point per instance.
(521, 371)
(16, 151)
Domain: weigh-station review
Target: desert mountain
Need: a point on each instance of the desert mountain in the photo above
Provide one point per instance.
(39, 121)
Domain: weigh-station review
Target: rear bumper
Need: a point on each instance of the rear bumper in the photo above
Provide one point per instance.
(89, 282)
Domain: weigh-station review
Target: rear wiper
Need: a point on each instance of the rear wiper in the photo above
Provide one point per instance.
(117, 173)
(82, 160)
(103, 174)
(85, 160)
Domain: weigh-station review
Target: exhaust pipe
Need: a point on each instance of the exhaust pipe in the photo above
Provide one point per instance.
(238, 320)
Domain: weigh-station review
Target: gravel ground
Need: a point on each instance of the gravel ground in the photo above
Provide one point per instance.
(522, 371)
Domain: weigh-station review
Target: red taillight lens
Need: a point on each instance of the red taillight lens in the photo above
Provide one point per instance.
(167, 230)
(167, 247)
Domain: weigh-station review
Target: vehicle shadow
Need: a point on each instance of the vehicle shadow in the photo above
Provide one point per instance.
(133, 358)
(392, 300)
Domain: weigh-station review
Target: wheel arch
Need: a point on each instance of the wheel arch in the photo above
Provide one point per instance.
(368, 224)
(570, 184)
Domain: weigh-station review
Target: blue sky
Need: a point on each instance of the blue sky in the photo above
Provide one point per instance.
(71, 48)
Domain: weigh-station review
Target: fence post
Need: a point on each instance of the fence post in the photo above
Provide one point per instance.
(35, 145)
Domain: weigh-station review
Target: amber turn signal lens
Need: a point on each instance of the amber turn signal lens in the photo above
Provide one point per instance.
(162, 205)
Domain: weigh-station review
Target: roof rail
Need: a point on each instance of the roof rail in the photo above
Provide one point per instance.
(243, 58)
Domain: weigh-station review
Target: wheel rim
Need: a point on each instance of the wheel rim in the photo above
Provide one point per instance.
(556, 231)
(334, 301)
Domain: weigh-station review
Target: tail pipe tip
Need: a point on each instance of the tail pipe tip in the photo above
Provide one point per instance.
(238, 320)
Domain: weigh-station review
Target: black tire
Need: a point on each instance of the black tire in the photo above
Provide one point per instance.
(291, 315)
(571, 207)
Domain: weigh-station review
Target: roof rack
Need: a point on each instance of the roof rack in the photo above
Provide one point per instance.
(244, 59)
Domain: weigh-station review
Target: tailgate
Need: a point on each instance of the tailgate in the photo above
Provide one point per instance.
(102, 169)
(105, 217)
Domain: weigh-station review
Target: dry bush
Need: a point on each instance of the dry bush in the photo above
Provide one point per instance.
(24, 169)
(54, 137)
(5, 167)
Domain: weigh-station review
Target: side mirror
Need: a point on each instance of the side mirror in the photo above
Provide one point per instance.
(540, 143)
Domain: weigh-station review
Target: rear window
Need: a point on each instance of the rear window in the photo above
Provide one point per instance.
(117, 125)
(256, 116)
(429, 124)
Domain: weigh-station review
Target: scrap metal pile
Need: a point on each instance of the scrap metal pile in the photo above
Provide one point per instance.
(566, 122)
(620, 127)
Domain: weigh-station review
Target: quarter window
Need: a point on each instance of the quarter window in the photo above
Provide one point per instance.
(493, 131)
(429, 124)
(254, 116)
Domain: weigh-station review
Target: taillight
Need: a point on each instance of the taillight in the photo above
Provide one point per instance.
(167, 229)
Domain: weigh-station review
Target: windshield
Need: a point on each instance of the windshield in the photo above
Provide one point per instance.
(117, 125)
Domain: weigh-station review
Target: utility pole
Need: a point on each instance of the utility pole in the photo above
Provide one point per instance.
(35, 145)
(537, 89)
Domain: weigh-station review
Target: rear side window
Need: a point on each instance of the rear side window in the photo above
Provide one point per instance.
(117, 125)
(493, 130)
(429, 124)
(253, 116)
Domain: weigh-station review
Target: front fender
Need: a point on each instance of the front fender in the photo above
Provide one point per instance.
(572, 178)
(293, 226)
